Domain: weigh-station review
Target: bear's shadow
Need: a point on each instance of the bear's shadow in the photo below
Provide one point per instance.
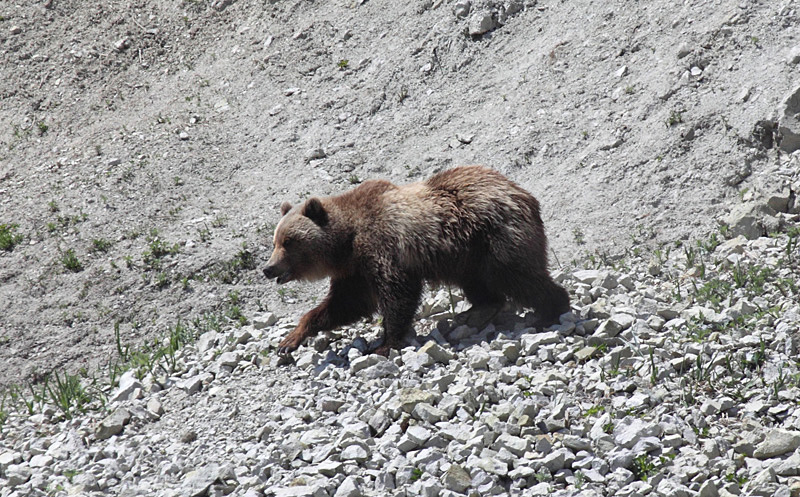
(445, 332)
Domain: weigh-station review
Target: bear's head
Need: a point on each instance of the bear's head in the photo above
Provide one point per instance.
(301, 243)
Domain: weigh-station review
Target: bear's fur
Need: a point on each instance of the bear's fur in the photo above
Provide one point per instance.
(379, 243)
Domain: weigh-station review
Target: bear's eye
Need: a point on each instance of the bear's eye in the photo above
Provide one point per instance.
(287, 242)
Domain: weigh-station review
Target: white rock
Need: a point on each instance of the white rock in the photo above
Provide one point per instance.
(113, 424)
(127, 384)
(777, 442)
(436, 352)
(481, 23)
(348, 488)
(456, 479)
(630, 430)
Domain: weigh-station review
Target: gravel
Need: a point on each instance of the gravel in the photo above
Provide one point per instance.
(705, 403)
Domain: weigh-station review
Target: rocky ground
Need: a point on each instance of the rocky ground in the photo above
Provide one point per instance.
(675, 375)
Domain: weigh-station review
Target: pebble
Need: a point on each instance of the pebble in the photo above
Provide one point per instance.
(481, 23)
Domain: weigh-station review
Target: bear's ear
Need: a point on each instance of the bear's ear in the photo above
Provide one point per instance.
(285, 207)
(315, 211)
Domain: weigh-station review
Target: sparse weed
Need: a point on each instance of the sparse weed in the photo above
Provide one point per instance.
(204, 233)
(3, 411)
(219, 221)
(228, 272)
(709, 245)
(287, 295)
(9, 238)
(594, 410)
(162, 280)
(101, 245)
(675, 117)
(402, 94)
(578, 235)
(157, 249)
(68, 394)
(691, 255)
(791, 243)
(643, 467)
(71, 261)
(580, 479)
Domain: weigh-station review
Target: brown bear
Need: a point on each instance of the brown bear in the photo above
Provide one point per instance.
(379, 243)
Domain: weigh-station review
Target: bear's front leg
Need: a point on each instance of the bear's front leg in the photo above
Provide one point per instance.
(347, 301)
(399, 300)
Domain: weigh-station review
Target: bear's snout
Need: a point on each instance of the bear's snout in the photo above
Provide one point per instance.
(275, 271)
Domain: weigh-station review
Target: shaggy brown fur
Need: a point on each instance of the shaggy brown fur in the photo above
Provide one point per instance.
(379, 243)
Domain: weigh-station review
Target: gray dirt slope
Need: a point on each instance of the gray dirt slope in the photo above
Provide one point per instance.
(155, 139)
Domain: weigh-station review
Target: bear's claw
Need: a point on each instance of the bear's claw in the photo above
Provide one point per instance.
(290, 343)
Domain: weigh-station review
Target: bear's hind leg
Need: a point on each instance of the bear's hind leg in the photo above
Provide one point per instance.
(538, 291)
(485, 303)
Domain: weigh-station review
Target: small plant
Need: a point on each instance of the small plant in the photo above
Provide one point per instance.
(101, 245)
(204, 233)
(235, 314)
(709, 245)
(343, 63)
(733, 478)
(353, 179)
(691, 254)
(71, 473)
(219, 221)
(9, 238)
(53, 206)
(594, 410)
(228, 272)
(157, 249)
(629, 90)
(675, 117)
(580, 479)
(68, 394)
(42, 127)
(162, 280)
(402, 94)
(287, 295)
(653, 368)
(791, 242)
(416, 474)
(71, 262)
(643, 467)
(578, 235)
(3, 411)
